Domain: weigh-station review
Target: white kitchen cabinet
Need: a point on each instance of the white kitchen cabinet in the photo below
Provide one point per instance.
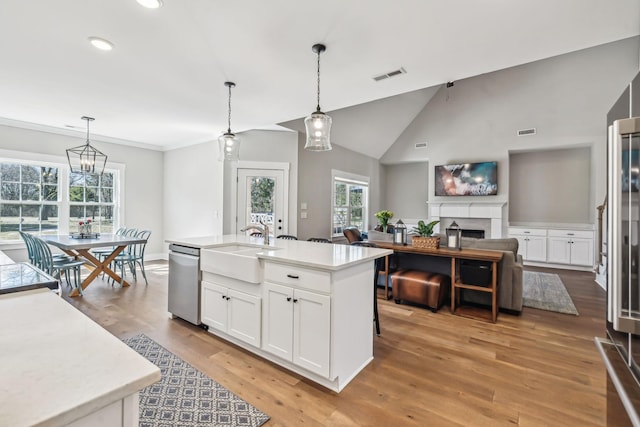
(532, 243)
(231, 311)
(574, 247)
(296, 326)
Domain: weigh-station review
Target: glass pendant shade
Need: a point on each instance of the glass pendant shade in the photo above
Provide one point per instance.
(318, 128)
(228, 142)
(318, 124)
(229, 145)
(85, 158)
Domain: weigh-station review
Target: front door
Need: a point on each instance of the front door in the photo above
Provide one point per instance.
(261, 197)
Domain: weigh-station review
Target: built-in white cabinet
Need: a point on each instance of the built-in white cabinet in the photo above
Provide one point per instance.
(532, 243)
(573, 247)
(231, 311)
(296, 326)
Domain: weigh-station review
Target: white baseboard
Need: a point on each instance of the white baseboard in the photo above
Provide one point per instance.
(156, 256)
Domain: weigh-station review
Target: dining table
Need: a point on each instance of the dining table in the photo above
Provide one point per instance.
(80, 248)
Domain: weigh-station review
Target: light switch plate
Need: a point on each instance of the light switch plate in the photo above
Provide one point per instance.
(303, 206)
(303, 215)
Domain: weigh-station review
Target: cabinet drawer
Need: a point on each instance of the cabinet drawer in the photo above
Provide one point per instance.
(585, 234)
(523, 231)
(298, 277)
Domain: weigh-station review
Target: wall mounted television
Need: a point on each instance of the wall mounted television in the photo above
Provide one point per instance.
(467, 179)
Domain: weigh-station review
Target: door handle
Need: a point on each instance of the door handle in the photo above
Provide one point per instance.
(288, 298)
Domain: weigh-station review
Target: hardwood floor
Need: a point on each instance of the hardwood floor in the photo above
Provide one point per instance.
(435, 369)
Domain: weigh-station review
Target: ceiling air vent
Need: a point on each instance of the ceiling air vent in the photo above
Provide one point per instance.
(390, 74)
(525, 132)
(421, 145)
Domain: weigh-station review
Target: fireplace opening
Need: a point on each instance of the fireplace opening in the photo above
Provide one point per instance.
(475, 234)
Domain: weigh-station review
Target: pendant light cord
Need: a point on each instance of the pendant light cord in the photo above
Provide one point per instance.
(229, 118)
(318, 107)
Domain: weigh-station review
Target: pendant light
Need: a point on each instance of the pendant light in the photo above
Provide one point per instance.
(318, 124)
(229, 143)
(85, 158)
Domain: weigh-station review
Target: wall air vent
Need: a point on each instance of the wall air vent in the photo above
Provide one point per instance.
(421, 145)
(390, 74)
(525, 132)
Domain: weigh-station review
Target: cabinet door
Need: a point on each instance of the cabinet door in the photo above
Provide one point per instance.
(536, 248)
(559, 250)
(522, 245)
(311, 331)
(244, 317)
(277, 320)
(214, 306)
(582, 252)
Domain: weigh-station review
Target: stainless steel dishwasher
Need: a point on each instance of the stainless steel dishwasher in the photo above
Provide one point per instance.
(184, 283)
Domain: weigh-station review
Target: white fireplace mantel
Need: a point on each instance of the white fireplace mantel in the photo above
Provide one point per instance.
(495, 211)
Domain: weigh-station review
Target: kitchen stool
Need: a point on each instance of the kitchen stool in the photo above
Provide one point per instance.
(420, 287)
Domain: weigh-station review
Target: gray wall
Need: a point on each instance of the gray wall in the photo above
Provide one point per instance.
(405, 191)
(566, 98)
(314, 185)
(550, 187)
(143, 196)
(193, 191)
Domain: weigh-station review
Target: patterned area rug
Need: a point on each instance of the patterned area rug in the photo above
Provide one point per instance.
(546, 291)
(184, 396)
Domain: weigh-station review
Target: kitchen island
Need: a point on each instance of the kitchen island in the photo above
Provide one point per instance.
(58, 367)
(306, 306)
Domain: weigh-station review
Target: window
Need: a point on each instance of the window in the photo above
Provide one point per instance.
(91, 197)
(44, 197)
(28, 199)
(350, 202)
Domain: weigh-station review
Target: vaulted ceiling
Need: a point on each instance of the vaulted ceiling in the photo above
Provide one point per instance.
(161, 87)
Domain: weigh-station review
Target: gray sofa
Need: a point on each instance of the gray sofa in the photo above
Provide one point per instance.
(510, 273)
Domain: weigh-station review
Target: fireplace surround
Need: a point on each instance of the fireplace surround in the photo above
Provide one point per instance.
(479, 215)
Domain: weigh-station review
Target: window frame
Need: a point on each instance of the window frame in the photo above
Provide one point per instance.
(63, 203)
(350, 179)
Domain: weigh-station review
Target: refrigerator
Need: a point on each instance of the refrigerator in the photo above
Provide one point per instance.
(620, 349)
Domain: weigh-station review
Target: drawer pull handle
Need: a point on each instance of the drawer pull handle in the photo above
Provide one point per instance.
(295, 300)
(527, 232)
(570, 234)
(293, 276)
(288, 298)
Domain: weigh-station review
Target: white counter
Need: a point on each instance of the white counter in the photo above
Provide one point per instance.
(297, 252)
(58, 366)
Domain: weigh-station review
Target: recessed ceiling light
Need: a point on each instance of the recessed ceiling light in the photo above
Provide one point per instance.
(151, 4)
(101, 44)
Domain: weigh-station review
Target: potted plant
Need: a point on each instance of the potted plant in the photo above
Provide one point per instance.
(383, 217)
(424, 239)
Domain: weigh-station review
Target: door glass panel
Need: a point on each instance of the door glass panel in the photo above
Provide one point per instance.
(261, 200)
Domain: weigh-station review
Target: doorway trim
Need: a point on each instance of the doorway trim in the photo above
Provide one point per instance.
(279, 166)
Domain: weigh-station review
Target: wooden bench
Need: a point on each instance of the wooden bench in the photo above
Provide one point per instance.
(420, 287)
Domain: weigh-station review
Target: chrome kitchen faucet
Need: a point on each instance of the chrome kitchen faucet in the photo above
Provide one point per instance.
(264, 230)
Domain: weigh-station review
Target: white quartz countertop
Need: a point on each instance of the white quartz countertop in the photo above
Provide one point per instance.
(326, 256)
(57, 365)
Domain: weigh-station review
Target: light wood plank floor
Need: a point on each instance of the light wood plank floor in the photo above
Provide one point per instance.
(540, 368)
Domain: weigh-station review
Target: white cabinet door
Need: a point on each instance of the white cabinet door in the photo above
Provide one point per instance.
(311, 329)
(277, 320)
(296, 326)
(532, 243)
(244, 316)
(559, 250)
(582, 252)
(214, 306)
(234, 312)
(536, 248)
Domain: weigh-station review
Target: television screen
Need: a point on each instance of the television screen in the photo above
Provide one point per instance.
(467, 179)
